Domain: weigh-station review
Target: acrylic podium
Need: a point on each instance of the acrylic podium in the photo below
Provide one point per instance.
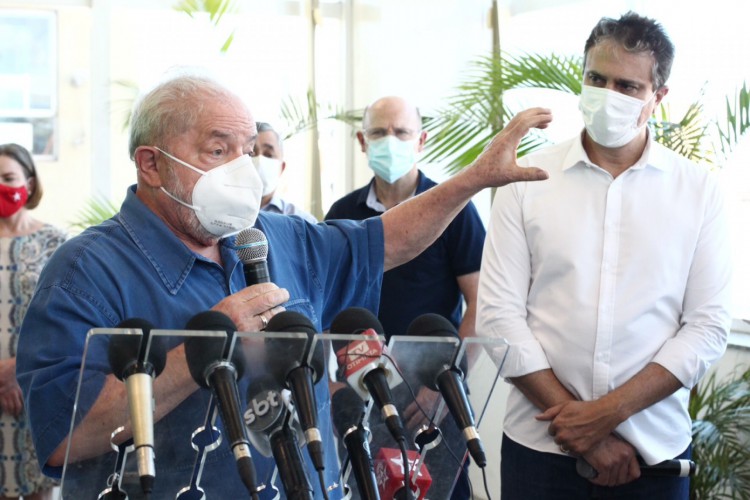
(193, 459)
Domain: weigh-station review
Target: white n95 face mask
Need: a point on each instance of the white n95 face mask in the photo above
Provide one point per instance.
(269, 170)
(226, 199)
(611, 118)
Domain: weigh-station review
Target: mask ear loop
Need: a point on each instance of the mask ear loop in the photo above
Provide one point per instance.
(173, 158)
(197, 209)
(194, 169)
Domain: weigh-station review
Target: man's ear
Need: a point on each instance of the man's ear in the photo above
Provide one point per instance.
(362, 143)
(148, 170)
(283, 166)
(422, 140)
(660, 94)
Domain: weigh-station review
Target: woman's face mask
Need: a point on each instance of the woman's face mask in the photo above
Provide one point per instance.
(12, 199)
(611, 118)
(226, 199)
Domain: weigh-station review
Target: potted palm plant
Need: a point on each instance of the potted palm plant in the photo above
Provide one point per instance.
(720, 410)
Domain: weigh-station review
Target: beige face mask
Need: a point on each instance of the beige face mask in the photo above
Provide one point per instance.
(226, 199)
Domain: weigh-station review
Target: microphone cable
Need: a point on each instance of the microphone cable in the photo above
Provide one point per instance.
(408, 493)
(322, 481)
(431, 425)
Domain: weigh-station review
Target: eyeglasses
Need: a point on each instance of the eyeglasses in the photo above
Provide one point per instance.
(402, 134)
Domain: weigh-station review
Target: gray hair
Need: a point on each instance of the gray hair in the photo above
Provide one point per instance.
(171, 109)
(266, 127)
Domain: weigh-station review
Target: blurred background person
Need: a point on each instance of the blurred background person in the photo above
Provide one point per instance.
(25, 246)
(268, 157)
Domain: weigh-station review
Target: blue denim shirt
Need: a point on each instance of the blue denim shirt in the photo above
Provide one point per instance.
(133, 266)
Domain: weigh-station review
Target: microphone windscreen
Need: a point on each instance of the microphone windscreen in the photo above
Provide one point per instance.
(356, 320)
(202, 352)
(431, 325)
(125, 350)
(347, 409)
(292, 321)
(441, 354)
(251, 245)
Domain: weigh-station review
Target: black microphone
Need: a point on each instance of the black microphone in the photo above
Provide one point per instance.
(675, 468)
(127, 357)
(365, 371)
(268, 420)
(347, 410)
(208, 364)
(299, 377)
(252, 248)
(439, 373)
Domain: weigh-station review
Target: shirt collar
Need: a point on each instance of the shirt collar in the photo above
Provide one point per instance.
(276, 202)
(653, 155)
(370, 198)
(169, 256)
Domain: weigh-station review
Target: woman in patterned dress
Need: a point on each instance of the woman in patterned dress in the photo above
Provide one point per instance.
(25, 246)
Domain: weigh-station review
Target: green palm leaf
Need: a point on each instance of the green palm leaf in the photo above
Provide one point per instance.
(476, 112)
(737, 119)
(721, 426)
(96, 210)
(216, 10)
(688, 137)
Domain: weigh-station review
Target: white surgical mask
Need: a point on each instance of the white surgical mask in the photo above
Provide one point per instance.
(226, 199)
(391, 158)
(611, 118)
(269, 170)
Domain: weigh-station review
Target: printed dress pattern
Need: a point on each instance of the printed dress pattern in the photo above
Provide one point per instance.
(21, 260)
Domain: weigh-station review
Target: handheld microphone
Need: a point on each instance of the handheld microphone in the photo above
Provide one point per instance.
(127, 358)
(268, 420)
(674, 468)
(347, 410)
(208, 364)
(392, 480)
(252, 248)
(439, 373)
(361, 362)
(298, 377)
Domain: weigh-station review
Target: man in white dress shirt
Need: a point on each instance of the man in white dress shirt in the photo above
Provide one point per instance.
(610, 282)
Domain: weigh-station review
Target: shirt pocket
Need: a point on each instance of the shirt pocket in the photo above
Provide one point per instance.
(304, 307)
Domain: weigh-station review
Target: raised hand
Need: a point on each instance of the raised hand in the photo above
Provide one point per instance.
(496, 166)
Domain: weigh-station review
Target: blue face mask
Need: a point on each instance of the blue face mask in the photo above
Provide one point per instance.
(391, 158)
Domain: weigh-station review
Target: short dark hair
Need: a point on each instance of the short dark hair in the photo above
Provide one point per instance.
(23, 157)
(636, 33)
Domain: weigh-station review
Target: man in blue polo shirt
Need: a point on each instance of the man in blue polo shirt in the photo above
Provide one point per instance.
(447, 272)
(169, 254)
